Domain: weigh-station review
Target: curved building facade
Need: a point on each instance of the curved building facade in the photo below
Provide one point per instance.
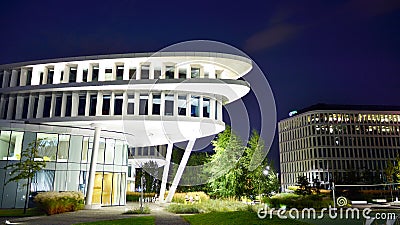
(95, 107)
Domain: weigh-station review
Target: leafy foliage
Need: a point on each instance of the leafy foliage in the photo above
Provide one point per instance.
(59, 202)
(231, 168)
(304, 186)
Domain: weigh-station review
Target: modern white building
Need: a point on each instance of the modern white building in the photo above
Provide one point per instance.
(94, 107)
(347, 144)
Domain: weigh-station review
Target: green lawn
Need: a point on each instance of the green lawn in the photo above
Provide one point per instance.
(142, 220)
(20, 212)
(239, 217)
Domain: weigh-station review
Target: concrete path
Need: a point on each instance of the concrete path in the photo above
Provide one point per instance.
(162, 217)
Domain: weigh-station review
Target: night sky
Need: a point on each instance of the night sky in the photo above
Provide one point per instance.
(340, 52)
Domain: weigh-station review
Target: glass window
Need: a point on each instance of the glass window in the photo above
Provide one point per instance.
(106, 104)
(1, 78)
(85, 75)
(100, 156)
(43, 181)
(118, 152)
(116, 189)
(85, 147)
(41, 78)
(47, 105)
(118, 102)
(109, 154)
(93, 104)
(4, 144)
(195, 102)
(206, 74)
(28, 76)
(50, 75)
(35, 105)
(18, 78)
(131, 104)
(132, 73)
(95, 73)
(145, 72)
(182, 73)
(143, 107)
(68, 105)
(169, 72)
(108, 74)
(62, 76)
(48, 146)
(156, 104)
(182, 105)
(82, 104)
(169, 105)
(206, 107)
(120, 72)
(107, 189)
(195, 72)
(72, 73)
(57, 108)
(63, 146)
(25, 107)
(75, 148)
(157, 73)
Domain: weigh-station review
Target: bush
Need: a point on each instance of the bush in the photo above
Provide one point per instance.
(146, 210)
(291, 200)
(59, 202)
(135, 196)
(180, 197)
(208, 206)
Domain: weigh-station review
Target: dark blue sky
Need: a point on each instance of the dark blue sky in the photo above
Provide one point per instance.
(342, 52)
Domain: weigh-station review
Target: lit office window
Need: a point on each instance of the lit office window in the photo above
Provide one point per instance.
(145, 72)
(169, 105)
(156, 104)
(106, 104)
(48, 146)
(82, 104)
(118, 102)
(131, 104)
(5, 142)
(143, 104)
(63, 146)
(120, 72)
(182, 105)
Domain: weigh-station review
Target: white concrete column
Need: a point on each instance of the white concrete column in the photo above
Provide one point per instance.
(53, 105)
(92, 170)
(162, 104)
(188, 105)
(40, 107)
(75, 104)
(176, 103)
(212, 109)
(181, 168)
(112, 103)
(63, 104)
(201, 107)
(164, 180)
(19, 108)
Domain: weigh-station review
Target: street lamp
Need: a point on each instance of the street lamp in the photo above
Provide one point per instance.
(266, 171)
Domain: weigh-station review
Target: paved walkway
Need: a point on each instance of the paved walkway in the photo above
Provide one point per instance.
(162, 217)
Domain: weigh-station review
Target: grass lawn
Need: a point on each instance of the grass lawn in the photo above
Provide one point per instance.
(142, 220)
(239, 217)
(20, 212)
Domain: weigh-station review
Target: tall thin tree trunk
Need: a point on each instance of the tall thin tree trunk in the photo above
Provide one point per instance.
(28, 185)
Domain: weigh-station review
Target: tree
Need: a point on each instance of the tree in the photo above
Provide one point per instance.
(27, 167)
(304, 186)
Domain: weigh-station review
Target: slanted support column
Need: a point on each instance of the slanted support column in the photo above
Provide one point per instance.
(93, 164)
(181, 168)
(165, 172)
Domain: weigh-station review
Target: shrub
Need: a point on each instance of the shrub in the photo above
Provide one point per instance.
(291, 200)
(208, 206)
(180, 197)
(59, 202)
(181, 208)
(146, 210)
(135, 196)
